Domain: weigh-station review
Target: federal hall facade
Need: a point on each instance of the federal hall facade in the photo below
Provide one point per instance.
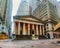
(23, 25)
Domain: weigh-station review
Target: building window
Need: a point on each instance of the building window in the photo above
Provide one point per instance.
(0, 22)
(46, 24)
(2, 27)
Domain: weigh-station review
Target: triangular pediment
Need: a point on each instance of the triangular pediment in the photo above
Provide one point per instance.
(28, 18)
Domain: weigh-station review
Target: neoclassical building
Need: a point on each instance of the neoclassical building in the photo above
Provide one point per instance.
(28, 25)
(28, 19)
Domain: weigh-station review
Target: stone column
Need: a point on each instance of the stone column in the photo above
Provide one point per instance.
(37, 29)
(15, 29)
(33, 26)
(24, 32)
(14, 32)
(43, 29)
(28, 29)
(19, 28)
(40, 30)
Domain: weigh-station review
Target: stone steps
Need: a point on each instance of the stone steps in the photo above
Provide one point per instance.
(23, 37)
(28, 37)
(42, 37)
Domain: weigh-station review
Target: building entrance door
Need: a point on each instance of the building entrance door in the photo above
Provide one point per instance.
(31, 32)
(21, 33)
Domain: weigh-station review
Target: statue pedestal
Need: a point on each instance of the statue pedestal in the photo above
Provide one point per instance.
(34, 37)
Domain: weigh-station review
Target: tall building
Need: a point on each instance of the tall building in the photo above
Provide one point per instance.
(3, 28)
(6, 14)
(48, 14)
(23, 8)
(27, 7)
(9, 16)
(3, 7)
(34, 4)
(58, 7)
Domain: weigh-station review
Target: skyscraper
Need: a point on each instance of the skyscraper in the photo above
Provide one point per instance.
(47, 12)
(23, 8)
(3, 7)
(34, 4)
(58, 7)
(3, 28)
(9, 16)
(6, 14)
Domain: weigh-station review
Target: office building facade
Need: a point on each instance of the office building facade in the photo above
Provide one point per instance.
(48, 14)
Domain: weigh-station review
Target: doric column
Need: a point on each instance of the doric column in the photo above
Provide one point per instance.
(19, 28)
(14, 32)
(28, 29)
(33, 26)
(43, 29)
(37, 29)
(40, 30)
(15, 28)
(24, 32)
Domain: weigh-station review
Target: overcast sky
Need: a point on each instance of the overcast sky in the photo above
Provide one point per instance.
(15, 6)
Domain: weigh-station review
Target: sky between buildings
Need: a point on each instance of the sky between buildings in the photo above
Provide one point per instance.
(15, 6)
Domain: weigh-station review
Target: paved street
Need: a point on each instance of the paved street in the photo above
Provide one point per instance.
(30, 44)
